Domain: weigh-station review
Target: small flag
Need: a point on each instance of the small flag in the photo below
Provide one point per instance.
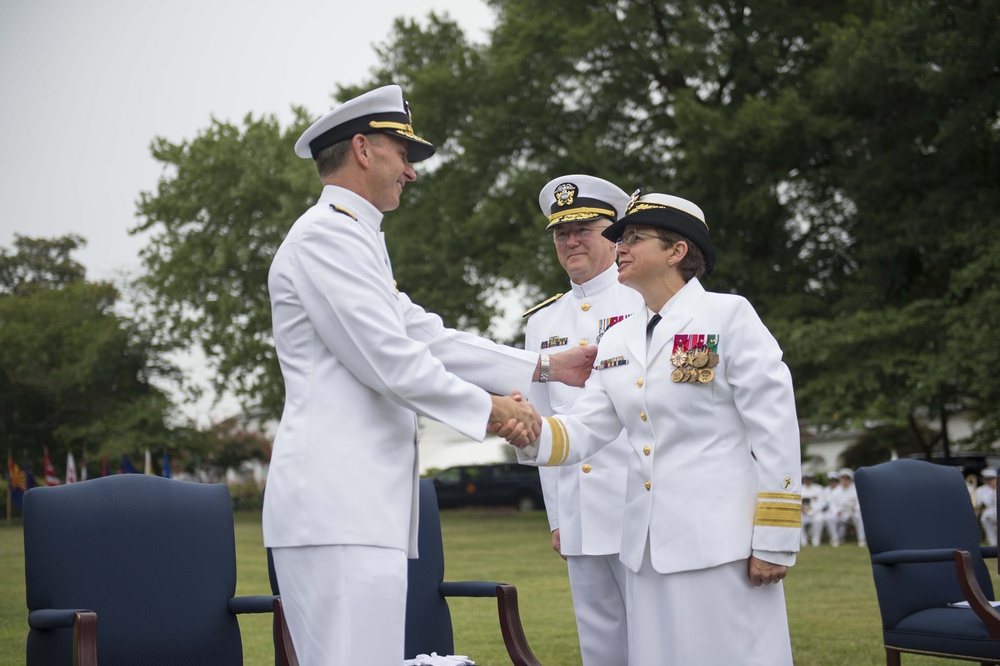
(51, 479)
(126, 466)
(17, 481)
(28, 474)
(70, 468)
(166, 465)
(83, 466)
(149, 464)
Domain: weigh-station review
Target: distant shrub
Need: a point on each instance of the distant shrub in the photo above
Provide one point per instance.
(247, 496)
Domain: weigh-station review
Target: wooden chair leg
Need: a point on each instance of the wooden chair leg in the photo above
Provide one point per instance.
(85, 639)
(510, 626)
(286, 651)
(891, 657)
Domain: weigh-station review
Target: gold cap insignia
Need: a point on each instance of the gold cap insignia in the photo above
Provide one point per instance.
(565, 194)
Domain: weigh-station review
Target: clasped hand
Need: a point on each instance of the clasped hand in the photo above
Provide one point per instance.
(515, 419)
(572, 367)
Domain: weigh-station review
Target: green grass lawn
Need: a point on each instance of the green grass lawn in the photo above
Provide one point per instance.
(831, 600)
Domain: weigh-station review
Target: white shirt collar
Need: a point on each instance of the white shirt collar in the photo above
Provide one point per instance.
(596, 284)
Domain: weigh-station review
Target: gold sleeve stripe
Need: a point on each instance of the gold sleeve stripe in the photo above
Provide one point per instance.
(560, 442)
(778, 514)
(790, 497)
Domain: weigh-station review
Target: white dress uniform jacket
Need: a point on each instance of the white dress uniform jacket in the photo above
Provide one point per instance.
(360, 361)
(586, 501)
(685, 436)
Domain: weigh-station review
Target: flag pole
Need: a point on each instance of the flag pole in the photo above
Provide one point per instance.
(10, 493)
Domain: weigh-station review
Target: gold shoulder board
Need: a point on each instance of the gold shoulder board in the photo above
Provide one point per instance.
(544, 304)
(346, 212)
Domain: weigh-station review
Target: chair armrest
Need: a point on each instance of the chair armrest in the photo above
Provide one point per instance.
(510, 626)
(974, 594)
(468, 588)
(252, 604)
(83, 623)
(988, 552)
(269, 604)
(54, 618)
(913, 556)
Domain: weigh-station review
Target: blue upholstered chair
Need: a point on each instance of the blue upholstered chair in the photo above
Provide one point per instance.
(923, 536)
(428, 619)
(135, 569)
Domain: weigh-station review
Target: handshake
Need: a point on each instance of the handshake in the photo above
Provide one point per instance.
(516, 420)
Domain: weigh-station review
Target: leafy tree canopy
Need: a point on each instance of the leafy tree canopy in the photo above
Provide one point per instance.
(845, 154)
(74, 375)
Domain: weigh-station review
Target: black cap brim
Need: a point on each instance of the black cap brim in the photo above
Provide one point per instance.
(669, 219)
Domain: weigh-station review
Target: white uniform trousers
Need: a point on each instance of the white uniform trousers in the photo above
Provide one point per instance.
(598, 586)
(705, 617)
(989, 523)
(354, 597)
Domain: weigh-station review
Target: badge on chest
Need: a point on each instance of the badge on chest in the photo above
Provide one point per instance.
(694, 356)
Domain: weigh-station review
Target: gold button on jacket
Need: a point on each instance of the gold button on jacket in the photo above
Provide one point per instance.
(646, 450)
(648, 485)
(642, 415)
(586, 468)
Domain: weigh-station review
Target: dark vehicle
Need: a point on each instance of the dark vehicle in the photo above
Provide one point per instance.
(502, 484)
(967, 462)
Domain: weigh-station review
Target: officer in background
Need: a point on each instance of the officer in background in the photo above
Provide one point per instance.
(828, 513)
(812, 525)
(986, 505)
(848, 509)
(585, 502)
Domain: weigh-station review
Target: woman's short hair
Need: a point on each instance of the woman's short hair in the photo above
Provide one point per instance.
(693, 263)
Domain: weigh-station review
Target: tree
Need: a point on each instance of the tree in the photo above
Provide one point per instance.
(845, 153)
(73, 374)
(912, 96)
(218, 216)
(39, 262)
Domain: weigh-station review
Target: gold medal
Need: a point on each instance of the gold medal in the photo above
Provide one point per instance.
(713, 359)
(677, 375)
(691, 375)
(699, 359)
(706, 375)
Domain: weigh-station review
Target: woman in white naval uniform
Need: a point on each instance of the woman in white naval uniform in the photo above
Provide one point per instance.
(706, 396)
(359, 362)
(585, 502)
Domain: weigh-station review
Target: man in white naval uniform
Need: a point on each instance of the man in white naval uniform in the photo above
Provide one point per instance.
(360, 361)
(986, 505)
(812, 505)
(699, 387)
(585, 502)
(849, 510)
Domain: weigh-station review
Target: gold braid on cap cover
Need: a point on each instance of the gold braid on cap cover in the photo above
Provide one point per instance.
(402, 128)
(580, 214)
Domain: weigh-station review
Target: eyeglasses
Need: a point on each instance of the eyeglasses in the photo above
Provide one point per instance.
(583, 234)
(631, 237)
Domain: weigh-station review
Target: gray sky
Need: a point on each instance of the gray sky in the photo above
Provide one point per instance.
(86, 86)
